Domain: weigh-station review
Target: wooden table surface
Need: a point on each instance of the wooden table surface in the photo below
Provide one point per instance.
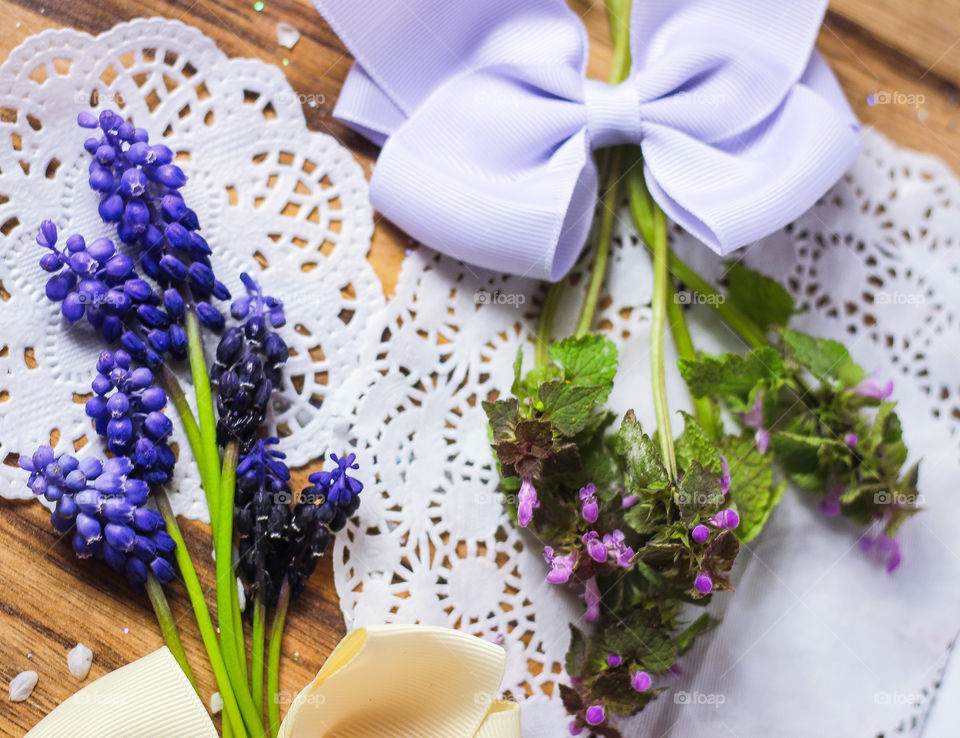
(49, 600)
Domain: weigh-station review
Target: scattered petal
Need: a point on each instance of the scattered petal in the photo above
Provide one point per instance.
(79, 660)
(21, 686)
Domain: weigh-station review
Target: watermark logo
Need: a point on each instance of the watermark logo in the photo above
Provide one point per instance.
(912, 499)
(899, 698)
(498, 297)
(895, 97)
(699, 499)
(713, 699)
(686, 297)
(899, 298)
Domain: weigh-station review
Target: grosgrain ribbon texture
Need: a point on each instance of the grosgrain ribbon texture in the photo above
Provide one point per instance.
(488, 123)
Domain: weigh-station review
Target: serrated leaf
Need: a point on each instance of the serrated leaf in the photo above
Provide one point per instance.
(685, 638)
(764, 300)
(639, 456)
(731, 376)
(589, 360)
(699, 495)
(693, 445)
(569, 406)
(800, 453)
(502, 416)
(576, 652)
(826, 359)
(752, 486)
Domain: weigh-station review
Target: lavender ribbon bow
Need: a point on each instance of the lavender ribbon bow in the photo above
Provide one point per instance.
(487, 121)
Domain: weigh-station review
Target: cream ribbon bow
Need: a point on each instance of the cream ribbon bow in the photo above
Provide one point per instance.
(389, 681)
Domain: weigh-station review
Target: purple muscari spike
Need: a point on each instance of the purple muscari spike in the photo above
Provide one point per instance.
(527, 500)
(726, 519)
(101, 521)
(561, 567)
(591, 596)
(700, 533)
(725, 477)
(595, 547)
(594, 715)
(588, 502)
(640, 681)
(753, 418)
(622, 553)
(703, 584)
(874, 387)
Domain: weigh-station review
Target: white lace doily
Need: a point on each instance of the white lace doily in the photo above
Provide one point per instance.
(818, 640)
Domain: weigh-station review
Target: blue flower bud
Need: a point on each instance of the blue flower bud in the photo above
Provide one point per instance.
(158, 425)
(101, 249)
(101, 384)
(117, 466)
(116, 560)
(201, 278)
(86, 120)
(91, 145)
(199, 246)
(159, 340)
(140, 134)
(83, 548)
(118, 404)
(177, 236)
(153, 398)
(170, 175)
(59, 285)
(178, 341)
(164, 542)
(125, 131)
(220, 290)
(162, 570)
(147, 521)
(119, 431)
(61, 525)
(109, 484)
(66, 508)
(111, 208)
(138, 153)
(50, 262)
(141, 378)
(173, 267)
(137, 288)
(136, 572)
(144, 548)
(119, 536)
(88, 527)
(91, 467)
(136, 491)
(100, 179)
(132, 343)
(72, 307)
(118, 510)
(136, 215)
(161, 154)
(76, 480)
(173, 206)
(209, 316)
(133, 183)
(105, 155)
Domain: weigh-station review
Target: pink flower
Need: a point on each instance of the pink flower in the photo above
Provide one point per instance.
(726, 519)
(640, 681)
(724, 475)
(561, 567)
(591, 596)
(596, 549)
(700, 533)
(588, 500)
(704, 584)
(595, 715)
(875, 387)
(615, 545)
(753, 418)
(851, 439)
(526, 502)
(629, 501)
(885, 549)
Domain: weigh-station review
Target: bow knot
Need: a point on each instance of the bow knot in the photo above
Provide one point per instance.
(613, 113)
(487, 120)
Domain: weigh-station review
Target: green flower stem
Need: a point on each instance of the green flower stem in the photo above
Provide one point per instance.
(167, 625)
(210, 456)
(611, 168)
(176, 394)
(273, 662)
(201, 613)
(231, 641)
(729, 313)
(545, 325)
(704, 409)
(257, 639)
(238, 625)
(661, 288)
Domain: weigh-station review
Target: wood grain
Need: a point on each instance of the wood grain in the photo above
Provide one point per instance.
(49, 600)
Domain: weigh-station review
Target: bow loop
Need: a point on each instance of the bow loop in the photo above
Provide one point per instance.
(488, 124)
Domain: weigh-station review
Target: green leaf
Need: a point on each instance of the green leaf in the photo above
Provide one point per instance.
(693, 445)
(576, 652)
(569, 406)
(752, 486)
(826, 359)
(699, 494)
(702, 624)
(735, 378)
(763, 299)
(801, 453)
(590, 360)
(503, 416)
(640, 457)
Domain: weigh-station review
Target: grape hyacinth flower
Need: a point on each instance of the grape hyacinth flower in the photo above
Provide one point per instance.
(249, 365)
(339, 489)
(95, 280)
(588, 503)
(104, 505)
(126, 409)
(139, 188)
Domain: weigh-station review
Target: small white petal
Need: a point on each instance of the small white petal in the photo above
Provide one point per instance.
(216, 703)
(287, 35)
(21, 686)
(242, 597)
(79, 660)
